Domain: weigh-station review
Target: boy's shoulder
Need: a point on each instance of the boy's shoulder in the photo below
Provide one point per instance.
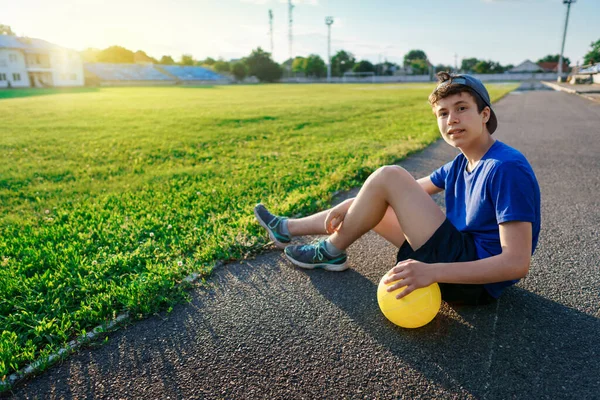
(502, 155)
(505, 164)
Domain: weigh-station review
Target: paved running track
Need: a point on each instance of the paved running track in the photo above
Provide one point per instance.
(264, 329)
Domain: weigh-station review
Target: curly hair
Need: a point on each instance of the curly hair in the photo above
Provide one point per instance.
(446, 88)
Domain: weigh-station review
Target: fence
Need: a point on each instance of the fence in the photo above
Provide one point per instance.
(426, 78)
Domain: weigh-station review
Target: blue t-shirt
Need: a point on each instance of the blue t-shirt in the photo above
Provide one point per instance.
(501, 188)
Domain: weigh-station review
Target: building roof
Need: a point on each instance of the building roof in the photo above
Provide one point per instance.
(29, 45)
(553, 66)
(526, 66)
(11, 42)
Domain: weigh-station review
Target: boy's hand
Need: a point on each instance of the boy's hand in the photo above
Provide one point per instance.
(410, 273)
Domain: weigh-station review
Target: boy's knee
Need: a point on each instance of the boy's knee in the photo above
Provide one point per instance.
(392, 173)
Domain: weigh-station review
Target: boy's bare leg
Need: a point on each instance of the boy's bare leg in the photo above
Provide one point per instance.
(394, 187)
(388, 227)
(311, 225)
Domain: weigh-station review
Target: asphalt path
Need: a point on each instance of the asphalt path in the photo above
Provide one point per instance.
(264, 329)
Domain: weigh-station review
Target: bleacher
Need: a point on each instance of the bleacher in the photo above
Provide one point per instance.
(189, 73)
(126, 72)
(585, 74)
(594, 69)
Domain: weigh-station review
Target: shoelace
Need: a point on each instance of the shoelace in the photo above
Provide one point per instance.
(318, 252)
(316, 245)
(277, 221)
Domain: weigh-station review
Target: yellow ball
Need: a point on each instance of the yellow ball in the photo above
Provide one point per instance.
(412, 311)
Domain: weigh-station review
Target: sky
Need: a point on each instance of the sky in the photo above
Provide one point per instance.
(506, 31)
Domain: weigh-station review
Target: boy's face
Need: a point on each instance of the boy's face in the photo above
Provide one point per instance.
(459, 121)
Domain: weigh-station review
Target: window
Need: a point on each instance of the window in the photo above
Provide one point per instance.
(2, 77)
(73, 77)
(16, 77)
(37, 60)
(3, 63)
(12, 57)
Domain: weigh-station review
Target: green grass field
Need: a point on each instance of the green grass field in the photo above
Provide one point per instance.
(110, 197)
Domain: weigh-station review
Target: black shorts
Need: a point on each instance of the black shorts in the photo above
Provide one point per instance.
(447, 245)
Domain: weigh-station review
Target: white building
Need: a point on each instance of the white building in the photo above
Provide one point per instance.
(526, 66)
(26, 62)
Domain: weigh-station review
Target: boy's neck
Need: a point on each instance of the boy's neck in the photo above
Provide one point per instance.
(475, 152)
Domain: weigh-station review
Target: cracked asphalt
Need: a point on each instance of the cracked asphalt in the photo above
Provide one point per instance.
(264, 329)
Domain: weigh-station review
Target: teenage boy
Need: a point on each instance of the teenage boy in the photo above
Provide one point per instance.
(482, 244)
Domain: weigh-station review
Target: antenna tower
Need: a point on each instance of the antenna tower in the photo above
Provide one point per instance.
(271, 29)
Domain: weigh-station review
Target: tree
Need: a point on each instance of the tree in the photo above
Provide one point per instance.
(467, 64)
(6, 30)
(315, 66)
(482, 67)
(141, 57)
(363, 66)
(239, 70)
(187, 59)
(554, 58)
(414, 55)
(593, 56)
(167, 60)
(442, 67)
(496, 68)
(207, 61)
(299, 65)
(221, 66)
(262, 66)
(488, 67)
(89, 55)
(342, 62)
(419, 67)
(116, 54)
(386, 68)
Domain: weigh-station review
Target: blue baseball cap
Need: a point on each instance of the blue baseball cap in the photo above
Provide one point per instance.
(477, 86)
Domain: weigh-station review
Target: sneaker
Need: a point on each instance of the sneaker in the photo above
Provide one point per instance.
(272, 224)
(311, 256)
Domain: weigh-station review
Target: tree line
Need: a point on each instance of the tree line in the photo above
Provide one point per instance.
(260, 64)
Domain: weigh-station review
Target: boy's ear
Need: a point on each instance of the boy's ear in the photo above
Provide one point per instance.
(486, 114)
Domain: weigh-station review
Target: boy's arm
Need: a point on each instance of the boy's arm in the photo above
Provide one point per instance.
(512, 263)
(428, 186)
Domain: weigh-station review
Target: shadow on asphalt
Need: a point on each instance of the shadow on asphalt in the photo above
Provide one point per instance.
(522, 341)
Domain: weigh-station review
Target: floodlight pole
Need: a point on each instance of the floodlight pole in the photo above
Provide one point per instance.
(328, 22)
(290, 36)
(562, 49)
(271, 29)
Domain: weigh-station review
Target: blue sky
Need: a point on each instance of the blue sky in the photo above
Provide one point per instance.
(508, 31)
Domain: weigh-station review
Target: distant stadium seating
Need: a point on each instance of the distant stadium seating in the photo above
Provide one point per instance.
(126, 72)
(186, 73)
(594, 69)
